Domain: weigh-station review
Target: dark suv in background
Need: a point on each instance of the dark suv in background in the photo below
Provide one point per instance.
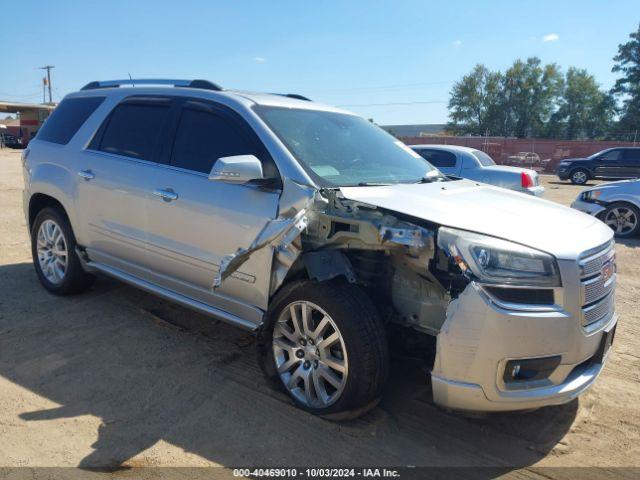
(611, 163)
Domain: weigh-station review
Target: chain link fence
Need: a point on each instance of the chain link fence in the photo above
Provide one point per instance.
(540, 154)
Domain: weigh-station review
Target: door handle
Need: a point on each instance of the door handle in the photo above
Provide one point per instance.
(86, 174)
(167, 195)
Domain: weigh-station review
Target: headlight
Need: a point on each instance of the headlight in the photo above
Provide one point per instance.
(494, 261)
(591, 195)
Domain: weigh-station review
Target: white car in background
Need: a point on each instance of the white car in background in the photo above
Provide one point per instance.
(476, 165)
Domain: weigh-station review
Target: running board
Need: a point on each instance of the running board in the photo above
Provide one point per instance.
(172, 296)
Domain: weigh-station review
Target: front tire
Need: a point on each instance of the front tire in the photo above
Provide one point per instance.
(579, 176)
(53, 248)
(325, 345)
(623, 219)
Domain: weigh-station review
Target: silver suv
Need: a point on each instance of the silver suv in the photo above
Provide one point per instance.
(327, 237)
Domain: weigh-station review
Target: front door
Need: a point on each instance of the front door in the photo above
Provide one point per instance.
(609, 164)
(195, 222)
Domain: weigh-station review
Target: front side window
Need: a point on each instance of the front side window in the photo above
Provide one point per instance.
(67, 119)
(484, 159)
(339, 149)
(134, 130)
(203, 137)
(610, 155)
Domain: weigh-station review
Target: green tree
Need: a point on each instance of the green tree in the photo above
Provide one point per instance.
(583, 109)
(474, 105)
(627, 62)
(530, 92)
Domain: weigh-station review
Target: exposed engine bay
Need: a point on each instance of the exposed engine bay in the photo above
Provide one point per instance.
(322, 234)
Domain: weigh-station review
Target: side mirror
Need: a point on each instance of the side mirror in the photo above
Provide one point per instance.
(236, 169)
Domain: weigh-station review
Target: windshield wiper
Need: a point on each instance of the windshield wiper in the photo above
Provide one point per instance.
(374, 184)
(439, 178)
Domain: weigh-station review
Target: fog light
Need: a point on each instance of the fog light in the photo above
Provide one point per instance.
(529, 369)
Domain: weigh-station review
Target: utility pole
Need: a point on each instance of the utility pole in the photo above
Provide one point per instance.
(48, 69)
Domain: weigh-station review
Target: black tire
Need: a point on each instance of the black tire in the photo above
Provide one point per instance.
(364, 337)
(579, 176)
(75, 279)
(622, 207)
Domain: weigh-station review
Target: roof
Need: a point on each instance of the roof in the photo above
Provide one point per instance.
(14, 107)
(204, 89)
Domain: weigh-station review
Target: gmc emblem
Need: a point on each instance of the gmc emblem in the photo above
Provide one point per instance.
(608, 269)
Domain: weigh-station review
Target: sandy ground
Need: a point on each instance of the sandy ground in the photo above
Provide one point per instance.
(118, 377)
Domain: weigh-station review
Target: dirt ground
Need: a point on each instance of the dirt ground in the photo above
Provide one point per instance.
(118, 377)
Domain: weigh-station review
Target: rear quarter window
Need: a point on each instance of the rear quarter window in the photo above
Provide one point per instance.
(67, 119)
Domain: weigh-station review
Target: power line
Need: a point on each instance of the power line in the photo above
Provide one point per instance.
(428, 102)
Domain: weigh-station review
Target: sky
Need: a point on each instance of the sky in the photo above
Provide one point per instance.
(394, 62)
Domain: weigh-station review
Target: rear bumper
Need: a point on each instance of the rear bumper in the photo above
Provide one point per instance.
(536, 191)
(590, 208)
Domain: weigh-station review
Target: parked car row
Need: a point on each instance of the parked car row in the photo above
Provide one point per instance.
(327, 237)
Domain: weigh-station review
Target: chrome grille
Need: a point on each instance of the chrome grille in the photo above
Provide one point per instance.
(597, 291)
(591, 261)
(598, 311)
(596, 288)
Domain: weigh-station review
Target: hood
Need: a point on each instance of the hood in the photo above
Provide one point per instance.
(632, 185)
(466, 205)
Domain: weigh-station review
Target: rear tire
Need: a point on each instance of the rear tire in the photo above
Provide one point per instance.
(338, 364)
(623, 218)
(579, 176)
(53, 248)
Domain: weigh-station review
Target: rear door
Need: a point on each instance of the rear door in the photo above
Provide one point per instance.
(446, 162)
(206, 220)
(631, 162)
(115, 182)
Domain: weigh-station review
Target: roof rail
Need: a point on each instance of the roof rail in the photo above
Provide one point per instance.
(294, 95)
(204, 84)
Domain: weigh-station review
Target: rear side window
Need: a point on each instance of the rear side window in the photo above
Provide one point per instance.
(203, 137)
(67, 119)
(484, 159)
(438, 158)
(134, 130)
(631, 154)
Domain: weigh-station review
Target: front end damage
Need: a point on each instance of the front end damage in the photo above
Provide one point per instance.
(421, 291)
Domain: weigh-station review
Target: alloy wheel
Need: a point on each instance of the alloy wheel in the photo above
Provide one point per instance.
(52, 251)
(579, 177)
(310, 354)
(622, 220)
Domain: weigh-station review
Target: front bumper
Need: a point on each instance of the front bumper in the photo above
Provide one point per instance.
(591, 208)
(479, 338)
(563, 172)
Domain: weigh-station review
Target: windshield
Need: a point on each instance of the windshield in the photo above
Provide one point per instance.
(344, 150)
(484, 159)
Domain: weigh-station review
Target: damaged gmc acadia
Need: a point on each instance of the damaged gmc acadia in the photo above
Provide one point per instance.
(325, 236)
